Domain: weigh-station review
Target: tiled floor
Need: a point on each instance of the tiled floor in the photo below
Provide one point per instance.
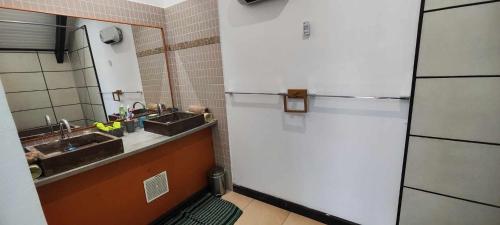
(259, 213)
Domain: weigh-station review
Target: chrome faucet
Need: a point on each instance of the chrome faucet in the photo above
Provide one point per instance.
(135, 103)
(159, 108)
(64, 123)
(49, 124)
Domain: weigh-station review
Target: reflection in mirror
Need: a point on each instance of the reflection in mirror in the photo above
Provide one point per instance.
(56, 67)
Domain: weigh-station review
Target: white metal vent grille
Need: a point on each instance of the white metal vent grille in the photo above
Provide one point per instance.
(156, 186)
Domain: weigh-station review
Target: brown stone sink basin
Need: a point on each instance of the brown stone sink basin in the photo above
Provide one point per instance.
(63, 155)
(174, 123)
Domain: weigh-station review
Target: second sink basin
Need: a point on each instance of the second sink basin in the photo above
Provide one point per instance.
(174, 123)
(63, 155)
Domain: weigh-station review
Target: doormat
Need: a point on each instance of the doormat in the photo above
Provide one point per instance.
(209, 210)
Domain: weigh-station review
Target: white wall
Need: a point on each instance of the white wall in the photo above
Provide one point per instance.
(19, 203)
(345, 156)
(117, 65)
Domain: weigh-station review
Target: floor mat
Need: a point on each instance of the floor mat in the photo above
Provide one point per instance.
(209, 210)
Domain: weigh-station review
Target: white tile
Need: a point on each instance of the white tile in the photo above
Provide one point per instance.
(461, 108)
(60, 79)
(460, 169)
(28, 100)
(64, 96)
(95, 96)
(49, 62)
(420, 208)
(435, 4)
(88, 113)
(19, 62)
(83, 95)
(462, 41)
(22, 81)
(32, 118)
(70, 113)
(99, 113)
(79, 78)
(90, 77)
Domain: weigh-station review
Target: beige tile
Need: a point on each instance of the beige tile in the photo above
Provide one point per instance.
(49, 62)
(99, 113)
(90, 76)
(79, 78)
(64, 96)
(70, 113)
(259, 213)
(75, 60)
(19, 62)
(85, 57)
(60, 79)
(13, 82)
(295, 219)
(239, 200)
(28, 100)
(95, 96)
(88, 113)
(83, 94)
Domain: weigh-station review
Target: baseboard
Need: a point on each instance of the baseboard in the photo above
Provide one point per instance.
(177, 209)
(292, 207)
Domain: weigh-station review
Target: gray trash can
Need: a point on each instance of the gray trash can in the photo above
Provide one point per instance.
(216, 181)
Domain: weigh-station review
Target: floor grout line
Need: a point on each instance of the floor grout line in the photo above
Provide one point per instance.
(284, 221)
(248, 204)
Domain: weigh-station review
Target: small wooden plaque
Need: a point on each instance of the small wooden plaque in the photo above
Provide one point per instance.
(296, 94)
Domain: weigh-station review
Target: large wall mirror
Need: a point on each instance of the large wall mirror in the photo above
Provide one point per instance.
(56, 67)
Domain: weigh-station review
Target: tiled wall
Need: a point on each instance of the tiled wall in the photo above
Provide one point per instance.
(36, 85)
(195, 63)
(454, 148)
(152, 64)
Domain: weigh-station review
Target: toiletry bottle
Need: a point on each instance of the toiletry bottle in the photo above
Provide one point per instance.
(123, 112)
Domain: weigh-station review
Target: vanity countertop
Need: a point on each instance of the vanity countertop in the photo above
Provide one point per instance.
(133, 143)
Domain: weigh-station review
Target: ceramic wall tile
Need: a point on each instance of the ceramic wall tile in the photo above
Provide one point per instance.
(19, 62)
(28, 100)
(64, 96)
(15, 82)
(56, 80)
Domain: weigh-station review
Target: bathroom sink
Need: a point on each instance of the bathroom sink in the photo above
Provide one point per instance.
(63, 155)
(174, 123)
